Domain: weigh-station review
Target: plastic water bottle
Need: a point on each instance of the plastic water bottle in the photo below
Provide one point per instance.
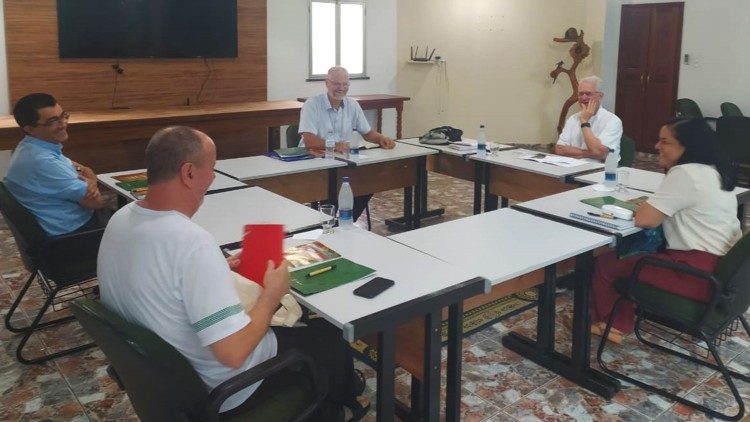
(330, 146)
(481, 142)
(610, 169)
(346, 205)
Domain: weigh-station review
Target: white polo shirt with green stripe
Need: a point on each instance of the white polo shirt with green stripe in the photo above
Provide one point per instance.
(162, 271)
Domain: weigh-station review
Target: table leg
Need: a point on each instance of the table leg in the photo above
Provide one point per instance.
(431, 381)
(453, 375)
(386, 367)
(380, 120)
(399, 112)
(332, 184)
(490, 199)
(575, 368)
(420, 201)
(478, 183)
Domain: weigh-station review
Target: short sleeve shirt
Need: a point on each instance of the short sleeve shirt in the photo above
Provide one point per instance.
(319, 118)
(46, 183)
(164, 272)
(605, 125)
(701, 216)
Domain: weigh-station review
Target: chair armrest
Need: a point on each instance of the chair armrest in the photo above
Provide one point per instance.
(231, 386)
(70, 257)
(650, 261)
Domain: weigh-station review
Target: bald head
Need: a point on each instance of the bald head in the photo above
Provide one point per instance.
(170, 148)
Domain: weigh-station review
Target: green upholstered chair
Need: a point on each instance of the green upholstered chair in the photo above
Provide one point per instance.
(627, 151)
(730, 109)
(163, 386)
(57, 262)
(292, 136)
(709, 322)
(685, 107)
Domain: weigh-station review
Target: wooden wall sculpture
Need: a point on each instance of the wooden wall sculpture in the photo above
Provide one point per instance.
(88, 84)
(578, 52)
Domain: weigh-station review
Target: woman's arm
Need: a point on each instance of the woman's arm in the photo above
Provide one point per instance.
(648, 217)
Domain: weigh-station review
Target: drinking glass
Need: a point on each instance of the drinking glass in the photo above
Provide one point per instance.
(343, 147)
(327, 217)
(623, 179)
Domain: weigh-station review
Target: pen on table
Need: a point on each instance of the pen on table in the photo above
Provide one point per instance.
(602, 215)
(227, 253)
(320, 271)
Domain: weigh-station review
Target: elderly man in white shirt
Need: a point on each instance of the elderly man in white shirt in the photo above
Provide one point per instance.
(332, 112)
(590, 133)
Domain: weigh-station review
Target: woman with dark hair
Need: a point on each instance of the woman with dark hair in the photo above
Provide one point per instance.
(697, 210)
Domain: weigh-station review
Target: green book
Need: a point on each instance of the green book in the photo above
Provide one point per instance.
(133, 184)
(291, 152)
(342, 271)
(600, 201)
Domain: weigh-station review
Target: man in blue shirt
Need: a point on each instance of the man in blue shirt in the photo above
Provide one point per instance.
(61, 194)
(334, 113)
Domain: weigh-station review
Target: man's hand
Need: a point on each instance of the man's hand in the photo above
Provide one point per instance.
(386, 142)
(276, 281)
(234, 261)
(589, 110)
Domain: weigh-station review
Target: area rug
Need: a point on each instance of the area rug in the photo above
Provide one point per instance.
(474, 320)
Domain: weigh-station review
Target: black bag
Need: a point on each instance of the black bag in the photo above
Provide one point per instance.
(441, 136)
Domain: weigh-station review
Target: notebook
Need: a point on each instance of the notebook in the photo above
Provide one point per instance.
(342, 271)
(631, 204)
(291, 154)
(610, 223)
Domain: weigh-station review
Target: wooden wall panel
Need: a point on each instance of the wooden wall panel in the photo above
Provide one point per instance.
(88, 84)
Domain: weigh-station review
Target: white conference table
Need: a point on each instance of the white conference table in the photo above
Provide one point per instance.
(423, 286)
(649, 181)
(508, 176)
(224, 214)
(559, 206)
(504, 244)
(453, 163)
(379, 170)
(302, 181)
(221, 182)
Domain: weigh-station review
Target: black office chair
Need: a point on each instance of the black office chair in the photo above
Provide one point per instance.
(163, 386)
(709, 322)
(734, 136)
(58, 262)
(627, 151)
(730, 109)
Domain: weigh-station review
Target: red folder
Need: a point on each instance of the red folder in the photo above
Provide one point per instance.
(261, 243)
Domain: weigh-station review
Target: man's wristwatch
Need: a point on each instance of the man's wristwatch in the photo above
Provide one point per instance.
(587, 124)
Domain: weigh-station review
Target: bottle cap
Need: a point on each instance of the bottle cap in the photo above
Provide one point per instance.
(345, 179)
(481, 126)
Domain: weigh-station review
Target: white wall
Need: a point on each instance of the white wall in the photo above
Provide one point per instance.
(716, 35)
(288, 54)
(499, 56)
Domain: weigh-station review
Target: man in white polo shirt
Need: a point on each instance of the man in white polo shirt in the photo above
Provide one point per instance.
(590, 133)
(160, 270)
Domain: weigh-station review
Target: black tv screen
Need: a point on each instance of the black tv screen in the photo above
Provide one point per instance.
(147, 28)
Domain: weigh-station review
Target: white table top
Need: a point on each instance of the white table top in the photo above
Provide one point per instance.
(224, 214)
(415, 275)
(510, 158)
(450, 151)
(220, 182)
(648, 181)
(380, 155)
(560, 206)
(502, 244)
(260, 167)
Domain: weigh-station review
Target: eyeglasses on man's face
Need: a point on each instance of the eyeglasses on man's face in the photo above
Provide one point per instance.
(588, 93)
(56, 121)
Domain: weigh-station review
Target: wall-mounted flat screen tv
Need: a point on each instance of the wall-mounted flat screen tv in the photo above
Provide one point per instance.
(147, 28)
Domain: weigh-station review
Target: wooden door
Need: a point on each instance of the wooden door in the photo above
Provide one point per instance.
(650, 40)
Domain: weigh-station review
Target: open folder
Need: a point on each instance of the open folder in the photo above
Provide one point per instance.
(319, 278)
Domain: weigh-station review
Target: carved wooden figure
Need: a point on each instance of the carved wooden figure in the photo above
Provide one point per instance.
(578, 52)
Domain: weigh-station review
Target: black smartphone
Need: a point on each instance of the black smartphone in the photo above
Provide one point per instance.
(373, 287)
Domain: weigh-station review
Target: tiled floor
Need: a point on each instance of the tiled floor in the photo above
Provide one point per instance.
(498, 385)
